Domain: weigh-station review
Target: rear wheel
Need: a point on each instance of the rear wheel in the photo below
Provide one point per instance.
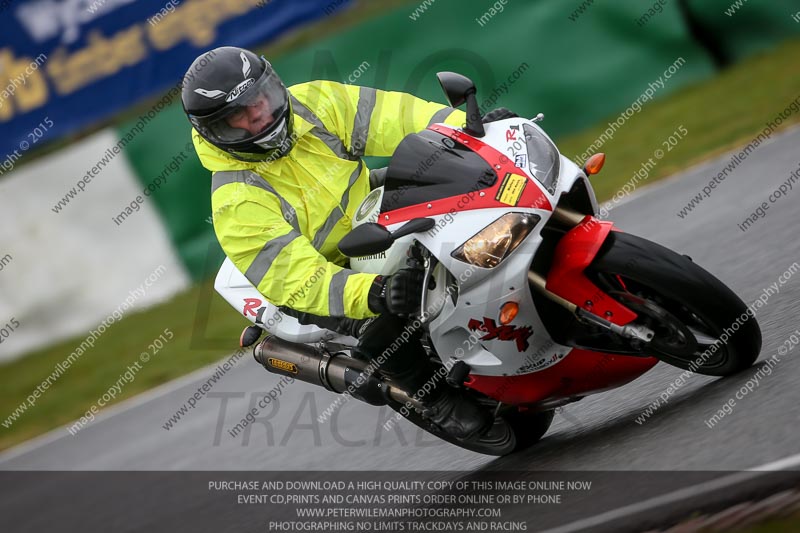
(528, 427)
(699, 323)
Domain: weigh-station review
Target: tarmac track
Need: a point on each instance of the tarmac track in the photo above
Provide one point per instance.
(597, 434)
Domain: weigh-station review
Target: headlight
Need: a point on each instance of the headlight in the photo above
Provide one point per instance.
(543, 160)
(495, 242)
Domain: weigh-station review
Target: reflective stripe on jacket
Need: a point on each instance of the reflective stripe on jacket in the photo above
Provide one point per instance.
(280, 221)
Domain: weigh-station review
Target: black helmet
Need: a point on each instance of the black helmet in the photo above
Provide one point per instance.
(236, 101)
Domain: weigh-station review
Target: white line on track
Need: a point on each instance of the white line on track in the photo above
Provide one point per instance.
(694, 491)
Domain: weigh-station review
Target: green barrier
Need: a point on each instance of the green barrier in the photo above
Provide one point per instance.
(739, 28)
(581, 63)
(164, 159)
(576, 72)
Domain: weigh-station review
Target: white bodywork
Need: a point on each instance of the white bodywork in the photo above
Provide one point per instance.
(478, 292)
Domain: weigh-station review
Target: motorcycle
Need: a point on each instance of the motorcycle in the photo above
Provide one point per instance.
(530, 301)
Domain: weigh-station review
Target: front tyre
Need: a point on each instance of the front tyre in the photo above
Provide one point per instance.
(699, 323)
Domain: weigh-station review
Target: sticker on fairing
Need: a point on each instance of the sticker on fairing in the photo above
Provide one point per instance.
(541, 363)
(511, 189)
(492, 331)
(251, 306)
(511, 133)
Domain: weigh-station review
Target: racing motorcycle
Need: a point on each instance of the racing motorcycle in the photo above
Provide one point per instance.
(530, 302)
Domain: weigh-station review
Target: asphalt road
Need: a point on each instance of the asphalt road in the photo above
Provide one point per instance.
(597, 434)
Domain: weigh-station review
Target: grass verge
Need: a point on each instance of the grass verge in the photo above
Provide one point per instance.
(197, 342)
(719, 115)
(789, 524)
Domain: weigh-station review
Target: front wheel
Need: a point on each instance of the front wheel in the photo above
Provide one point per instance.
(699, 323)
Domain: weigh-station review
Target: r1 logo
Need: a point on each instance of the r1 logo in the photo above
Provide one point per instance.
(251, 306)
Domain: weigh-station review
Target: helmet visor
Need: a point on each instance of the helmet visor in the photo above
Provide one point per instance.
(256, 113)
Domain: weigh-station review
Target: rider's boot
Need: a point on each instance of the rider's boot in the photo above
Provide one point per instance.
(408, 367)
(457, 414)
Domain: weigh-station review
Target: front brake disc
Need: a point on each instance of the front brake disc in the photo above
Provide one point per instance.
(672, 336)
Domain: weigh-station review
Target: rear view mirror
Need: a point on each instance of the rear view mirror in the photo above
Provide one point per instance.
(459, 89)
(366, 239)
(456, 87)
(372, 238)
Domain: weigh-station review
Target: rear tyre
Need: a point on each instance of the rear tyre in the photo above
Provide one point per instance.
(700, 324)
(528, 427)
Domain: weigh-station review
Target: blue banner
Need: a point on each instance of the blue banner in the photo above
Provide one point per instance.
(67, 64)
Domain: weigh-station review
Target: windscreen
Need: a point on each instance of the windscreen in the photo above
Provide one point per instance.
(429, 166)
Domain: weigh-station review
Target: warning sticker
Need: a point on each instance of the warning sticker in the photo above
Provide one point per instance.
(511, 189)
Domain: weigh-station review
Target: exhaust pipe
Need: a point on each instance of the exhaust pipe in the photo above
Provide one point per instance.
(336, 372)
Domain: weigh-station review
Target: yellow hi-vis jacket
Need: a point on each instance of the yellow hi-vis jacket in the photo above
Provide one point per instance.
(280, 221)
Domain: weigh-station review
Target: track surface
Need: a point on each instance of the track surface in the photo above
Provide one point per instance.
(598, 433)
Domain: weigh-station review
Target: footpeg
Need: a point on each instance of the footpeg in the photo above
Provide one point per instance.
(250, 336)
(458, 374)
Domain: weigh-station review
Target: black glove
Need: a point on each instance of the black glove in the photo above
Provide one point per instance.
(398, 294)
(501, 113)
